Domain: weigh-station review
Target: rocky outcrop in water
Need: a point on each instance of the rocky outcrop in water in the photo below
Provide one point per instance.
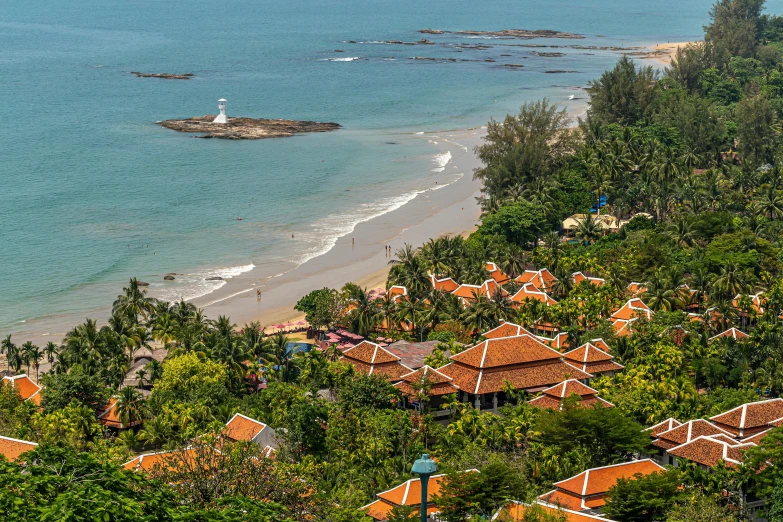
(166, 76)
(511, 33)
(246, 128)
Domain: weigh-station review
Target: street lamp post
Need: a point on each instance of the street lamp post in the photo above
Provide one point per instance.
(425, 467)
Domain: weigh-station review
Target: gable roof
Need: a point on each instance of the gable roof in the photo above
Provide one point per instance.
(370, 353)
(496, 273)
(596, 481)
(578, 277)
(732, 333)
(592, 359)
(515, 510)
(446, 284)
(28, 388)
(542, 279)
(709, 451)
(159, 459)
(12, 449)
(439, 384)
(531, 291)
(687, 432)
(750, 415)
(632, 309)
(241, 427)
(554, 396)
(111, 417)
(664, 425)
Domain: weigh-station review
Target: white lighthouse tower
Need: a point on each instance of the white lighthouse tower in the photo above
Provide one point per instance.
(221, 118)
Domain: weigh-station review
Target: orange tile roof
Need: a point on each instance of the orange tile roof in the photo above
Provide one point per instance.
(636, 288)
(542, 279)
(592, 359)
(530, 292)
(750, 418)
(687, 432)
(558, 341)
(370, 353)
(596, 482)
(601, 344)
(406, 494)
(515, 512)
(13, 448)
(709, 451)
(413, 382)
(243, 428)
(632, 309)
(553, 397)
(526, 377)
(732, 333)
(563, 499)
(161, 459)
(496, 273)
(446, 284)
(372, 359)
(506, 351)
(663, 426)
(25, 385)
(506, 330)
(578, 277)
(755, 299)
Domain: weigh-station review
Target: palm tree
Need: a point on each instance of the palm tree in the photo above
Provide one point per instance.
(410, 311)
(660, 294)
(129, 406)
(681, 231)
(15, 358)
(277, 355)
(731, 281)
(155, 370)
(33, 355)
(364, 315)
(6, 345)
(409, 270)
(769, 203)
(50, 350)
(141, 375)
(156, 432)
(133, 302)
(588, 229)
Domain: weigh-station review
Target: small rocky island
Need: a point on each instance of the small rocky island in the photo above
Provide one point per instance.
(246, 128)
(166, 76)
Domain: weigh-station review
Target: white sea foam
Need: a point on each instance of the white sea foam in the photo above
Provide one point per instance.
(346, 59)
(440, 161)
(419, 133)
(193, 285)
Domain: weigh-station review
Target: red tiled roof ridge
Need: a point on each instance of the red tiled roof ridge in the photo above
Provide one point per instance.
(565, 386)
(425, 370)
(18, 440)
(588, 347)
(548, 505)
(713, 440)
(733, 332)
(375, 352)
(668, 420)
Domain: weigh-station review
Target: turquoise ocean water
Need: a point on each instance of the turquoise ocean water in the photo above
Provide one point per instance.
(94, 193)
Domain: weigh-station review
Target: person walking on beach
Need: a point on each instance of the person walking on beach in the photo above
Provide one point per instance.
(353, 242)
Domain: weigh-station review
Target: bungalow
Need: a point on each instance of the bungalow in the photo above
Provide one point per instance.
(529, 291)
(731, 333)
(553, 398)
(160, 460)
(483, 371)
(496, 273)
(624, 317)
(587, 491)
(682, 434)
(12, 449)
(608, 223)
(515, 511)
(446, 284)
(542, 279)
(506, 329)
(429, 381)
(110, 417)
(578, 277)
(28, 389)
(591, 359)
(635, 288)
(470, 293)
(413, 354)
(372, 359)
(406, 494)
(708, 451)
(751, 418)
(244, 429)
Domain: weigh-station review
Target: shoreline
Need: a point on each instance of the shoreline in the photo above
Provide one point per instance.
(665, 52)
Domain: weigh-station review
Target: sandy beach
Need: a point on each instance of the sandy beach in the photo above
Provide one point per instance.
(664, 53)
(360, 257)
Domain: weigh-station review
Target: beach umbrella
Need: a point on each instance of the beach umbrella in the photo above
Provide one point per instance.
(279, 326)
(301, 323)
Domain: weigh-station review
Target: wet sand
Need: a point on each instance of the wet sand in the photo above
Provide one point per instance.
(360, 257)
(667, 51)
